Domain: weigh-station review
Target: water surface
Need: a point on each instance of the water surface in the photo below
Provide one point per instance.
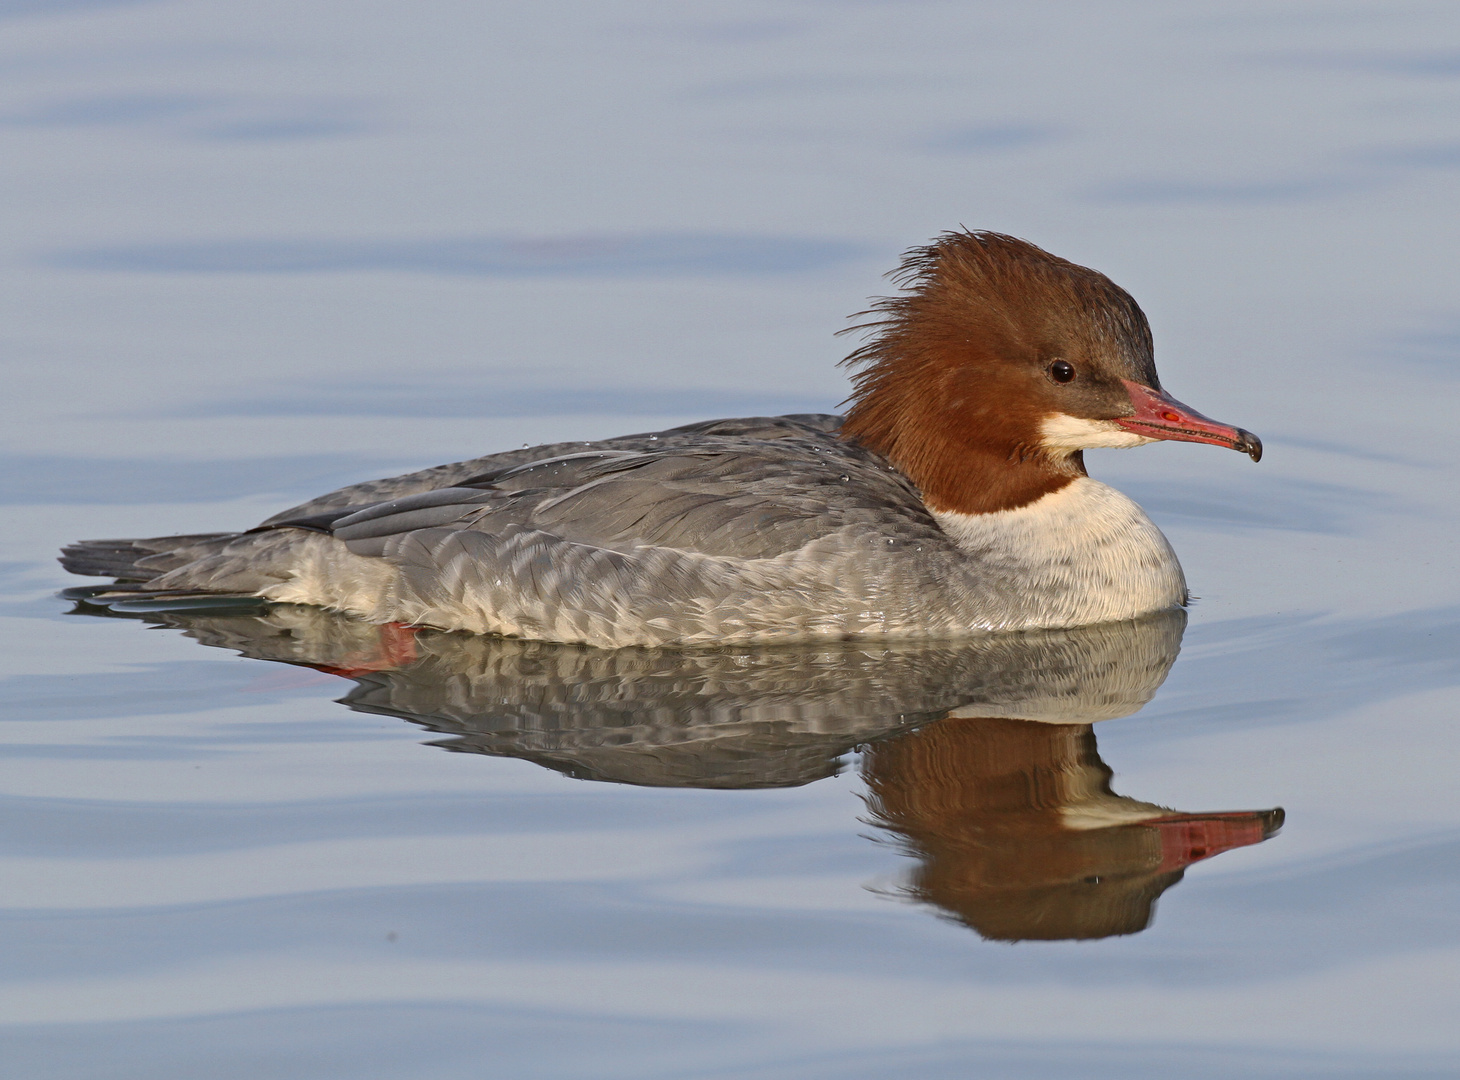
(259, 252)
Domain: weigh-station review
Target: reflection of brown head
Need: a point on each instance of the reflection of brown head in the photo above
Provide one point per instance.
(1020, 836)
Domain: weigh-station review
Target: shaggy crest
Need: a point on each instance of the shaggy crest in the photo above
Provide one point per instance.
(979, 279)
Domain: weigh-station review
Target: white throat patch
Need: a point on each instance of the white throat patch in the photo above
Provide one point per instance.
(1061, 431)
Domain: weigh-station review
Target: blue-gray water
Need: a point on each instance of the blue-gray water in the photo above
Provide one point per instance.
(251, 252)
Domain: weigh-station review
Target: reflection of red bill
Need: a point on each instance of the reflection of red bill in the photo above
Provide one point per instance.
(1186, 839)
(1158, 415)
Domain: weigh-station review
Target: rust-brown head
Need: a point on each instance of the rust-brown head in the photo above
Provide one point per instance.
(998, 364)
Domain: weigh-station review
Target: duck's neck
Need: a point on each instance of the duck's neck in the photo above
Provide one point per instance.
(964, 457)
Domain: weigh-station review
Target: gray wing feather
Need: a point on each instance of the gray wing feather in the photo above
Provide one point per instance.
(365, 531)
(755, 427)
(734, 497)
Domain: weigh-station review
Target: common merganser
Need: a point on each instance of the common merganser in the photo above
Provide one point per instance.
(951, 499)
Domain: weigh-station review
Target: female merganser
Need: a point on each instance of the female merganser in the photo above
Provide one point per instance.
(951, 499)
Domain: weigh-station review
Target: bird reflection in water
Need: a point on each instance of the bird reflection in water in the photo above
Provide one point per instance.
(978, 754)
(1020, 837)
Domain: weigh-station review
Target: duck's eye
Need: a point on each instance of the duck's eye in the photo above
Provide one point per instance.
(1061, 371)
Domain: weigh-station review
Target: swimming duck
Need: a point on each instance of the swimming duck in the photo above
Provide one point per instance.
(951, 498)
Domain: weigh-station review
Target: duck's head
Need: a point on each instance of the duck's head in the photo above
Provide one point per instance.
(998, 364)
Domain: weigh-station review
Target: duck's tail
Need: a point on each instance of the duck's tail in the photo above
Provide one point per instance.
(139, 561)
(136, 564)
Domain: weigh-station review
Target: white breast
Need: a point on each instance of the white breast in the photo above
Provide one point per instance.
(1083, 554)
